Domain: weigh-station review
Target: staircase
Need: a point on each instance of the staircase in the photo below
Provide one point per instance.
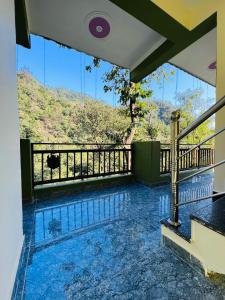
(205, 249)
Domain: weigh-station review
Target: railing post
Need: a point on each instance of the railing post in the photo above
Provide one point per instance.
(26, 170)
(174, 216)
(199, 156)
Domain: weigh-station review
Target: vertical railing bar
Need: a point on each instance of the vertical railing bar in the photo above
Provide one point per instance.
(104, 161)
(166, 159)
(109, 162)
(32, 164)
(123, 159)
(119, 159)
(67, 162)
(189, 160)
(81, 164)
(163, 162)
(93, 162)
(169, 160)
(87, 163)
(59, 165)
(51, 171)
(74, 164)
(114, 157)
(42, 166)
(186, 163)
(99, 162)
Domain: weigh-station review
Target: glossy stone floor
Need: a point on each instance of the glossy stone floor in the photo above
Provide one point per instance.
(106, 245)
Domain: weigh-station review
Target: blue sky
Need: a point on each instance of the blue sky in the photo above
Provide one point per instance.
(56, 66)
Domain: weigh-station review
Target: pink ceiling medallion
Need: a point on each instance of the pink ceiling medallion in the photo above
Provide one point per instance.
(212, 66)
(99, 27)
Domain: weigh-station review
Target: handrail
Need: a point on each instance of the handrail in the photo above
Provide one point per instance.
(211, 111)
(202, 171)
(203, 142)
(175, 143)
(82, 144)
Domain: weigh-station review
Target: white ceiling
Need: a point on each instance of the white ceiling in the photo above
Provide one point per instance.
(129, 42)
(196, 58)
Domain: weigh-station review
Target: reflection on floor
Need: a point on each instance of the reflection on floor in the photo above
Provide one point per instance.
(106, 245)
(53, 223)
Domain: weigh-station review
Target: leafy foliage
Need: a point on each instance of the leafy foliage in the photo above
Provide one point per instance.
(60, 115)
(63, 116)
(192, 105)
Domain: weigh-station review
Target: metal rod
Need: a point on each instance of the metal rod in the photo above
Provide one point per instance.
(203, 142)
(67, 162)
(51, 172)
(74, 164)
(93, 162)
(59, 165)
(32, 165)
(81, 144)
(76, 151)
(202, 171)
(123, 161)
(174, 213)
(202, 198)
(114, 158)
(87, 163)
(119, 160)
(42, 166)
(104, 162)
(81, 164)
(211, 111)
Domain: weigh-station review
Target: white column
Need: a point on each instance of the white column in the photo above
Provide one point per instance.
(11, 234)
(219, 185)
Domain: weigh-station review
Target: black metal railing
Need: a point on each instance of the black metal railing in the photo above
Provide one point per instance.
(56, 162)
(198, 158)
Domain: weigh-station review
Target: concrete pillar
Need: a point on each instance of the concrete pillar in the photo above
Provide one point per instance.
(146, 162)
(26, 170)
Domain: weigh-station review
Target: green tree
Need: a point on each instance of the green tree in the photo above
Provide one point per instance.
(132, 96)
(191, 106)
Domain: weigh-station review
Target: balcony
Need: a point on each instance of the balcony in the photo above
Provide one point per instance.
(105, 242)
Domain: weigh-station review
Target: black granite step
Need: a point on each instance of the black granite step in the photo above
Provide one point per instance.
(184, 230)
(212, 216)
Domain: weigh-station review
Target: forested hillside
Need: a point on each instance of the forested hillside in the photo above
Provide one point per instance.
(59, 115)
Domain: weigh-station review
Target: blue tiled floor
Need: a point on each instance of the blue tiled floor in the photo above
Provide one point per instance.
(106, 245)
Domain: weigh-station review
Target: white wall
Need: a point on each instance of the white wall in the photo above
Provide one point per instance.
(206, 245)
(11, 236)
(219, 183)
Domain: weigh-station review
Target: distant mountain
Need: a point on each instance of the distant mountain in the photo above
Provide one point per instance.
(68, 95)
(60, 115)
